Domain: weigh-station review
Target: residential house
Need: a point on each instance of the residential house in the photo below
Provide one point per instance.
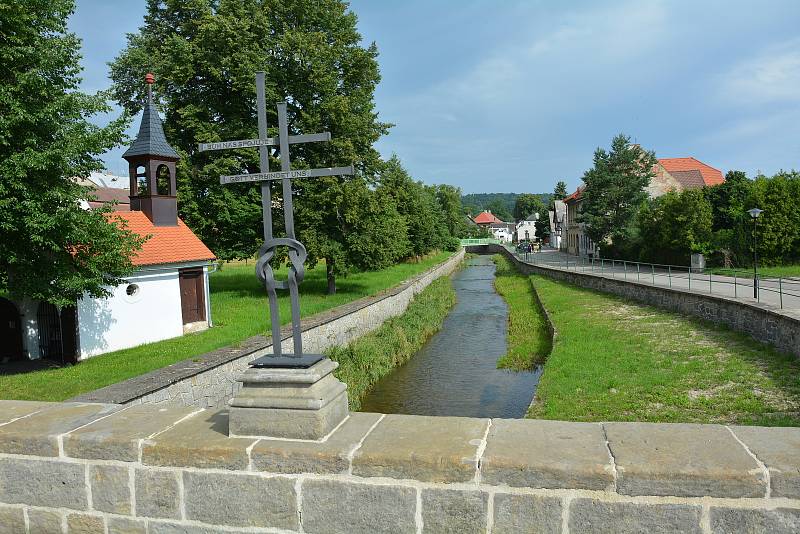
(499, 229)
(671, 174)
(574, 239)
(526, 228)
(557, 217)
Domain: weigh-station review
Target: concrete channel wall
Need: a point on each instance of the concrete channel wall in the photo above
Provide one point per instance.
(765, 323)
(97, 468)
(210, 379)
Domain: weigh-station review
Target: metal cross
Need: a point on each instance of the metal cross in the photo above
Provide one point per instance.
(297, 252)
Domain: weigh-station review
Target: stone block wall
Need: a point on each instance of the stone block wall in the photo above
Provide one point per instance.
(77, 468)
(765, 323)
(210, 379)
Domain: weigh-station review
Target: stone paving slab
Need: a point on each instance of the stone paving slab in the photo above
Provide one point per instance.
(333, 507)
(684, 460)
(12, 409)
(200, 441)
(431, 449)
(526, 514)
(588, 516)
(38, 433)
(778, 521)
(779, 449)
(117, 437)
(11, 520)
(332, 456)
(546, 454)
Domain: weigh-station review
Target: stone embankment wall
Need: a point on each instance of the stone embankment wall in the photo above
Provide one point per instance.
(210, 379)
(765, 323)
(76, 468)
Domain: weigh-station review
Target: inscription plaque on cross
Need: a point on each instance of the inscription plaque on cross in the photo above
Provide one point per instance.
(297, 252)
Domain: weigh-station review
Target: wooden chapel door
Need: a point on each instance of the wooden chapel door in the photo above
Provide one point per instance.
(193, 302)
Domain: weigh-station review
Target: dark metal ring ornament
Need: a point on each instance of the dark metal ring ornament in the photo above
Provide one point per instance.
(297, 257)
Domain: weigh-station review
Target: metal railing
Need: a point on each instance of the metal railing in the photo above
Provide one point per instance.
(480, 241)
(725, 282)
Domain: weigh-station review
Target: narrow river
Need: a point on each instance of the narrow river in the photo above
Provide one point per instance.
(455, 372)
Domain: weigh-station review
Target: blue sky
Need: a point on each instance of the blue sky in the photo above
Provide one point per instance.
(497, 96)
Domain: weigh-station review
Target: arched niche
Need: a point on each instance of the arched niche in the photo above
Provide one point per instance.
(163, 180)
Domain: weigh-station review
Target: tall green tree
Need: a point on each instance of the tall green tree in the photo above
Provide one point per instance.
(449, 198)
(615, 189)
(527, 204)
(674, 226)
(417, 203)
(560, 190)
(779, 225)
(204, 54)
(50, 248)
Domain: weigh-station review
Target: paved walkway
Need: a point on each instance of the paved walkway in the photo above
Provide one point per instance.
(782, 293)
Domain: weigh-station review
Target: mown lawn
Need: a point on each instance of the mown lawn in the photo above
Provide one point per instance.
(371, 357)
(239, 311)
(614, 360)
(529, 342)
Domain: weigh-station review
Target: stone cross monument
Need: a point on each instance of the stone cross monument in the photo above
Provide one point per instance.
(283, 395)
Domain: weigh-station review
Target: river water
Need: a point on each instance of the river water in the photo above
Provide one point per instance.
(455, 372)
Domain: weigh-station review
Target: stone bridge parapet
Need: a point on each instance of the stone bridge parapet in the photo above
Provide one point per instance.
(97, 468)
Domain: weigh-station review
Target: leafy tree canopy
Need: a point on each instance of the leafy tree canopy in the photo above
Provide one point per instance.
(615, 189)
(51, 249)
(528, 204)
(675, 225)
(204, 54)
(560, 191)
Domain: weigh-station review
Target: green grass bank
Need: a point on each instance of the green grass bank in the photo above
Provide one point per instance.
(774, 271)
(239, 311)
(529, 340)
(371, 357)
(614, 360)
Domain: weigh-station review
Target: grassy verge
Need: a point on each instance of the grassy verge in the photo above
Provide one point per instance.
(529, 342)
(239, 311)
(373, 356)
(614, 360)
(775, 271)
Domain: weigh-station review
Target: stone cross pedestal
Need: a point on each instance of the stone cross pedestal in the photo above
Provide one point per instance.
(289, 403)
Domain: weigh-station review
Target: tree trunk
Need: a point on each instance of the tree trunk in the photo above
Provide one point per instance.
(331, 276)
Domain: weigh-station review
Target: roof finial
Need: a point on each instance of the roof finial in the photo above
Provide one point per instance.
(149, 79)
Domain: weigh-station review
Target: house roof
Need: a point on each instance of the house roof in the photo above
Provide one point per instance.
(692, 179)
(576, 195)
(710, 175)
(167, 244)
(104, 195)
(151, 141)
(486, 217)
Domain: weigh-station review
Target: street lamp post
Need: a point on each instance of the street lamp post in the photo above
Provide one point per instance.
(755, 213)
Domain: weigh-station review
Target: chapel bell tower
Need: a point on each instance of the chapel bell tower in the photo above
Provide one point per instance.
(151, 167)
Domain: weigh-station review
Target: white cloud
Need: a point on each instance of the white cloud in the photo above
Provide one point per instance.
(772, 76)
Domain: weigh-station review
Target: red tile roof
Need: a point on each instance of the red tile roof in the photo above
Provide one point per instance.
(576, 195)
(689, 179)
(167, 244)
(486, 217)
(711, 176)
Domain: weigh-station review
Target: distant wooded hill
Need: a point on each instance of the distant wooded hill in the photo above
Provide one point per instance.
(477, 202)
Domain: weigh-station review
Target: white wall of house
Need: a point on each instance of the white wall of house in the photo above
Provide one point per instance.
(503, 234)
(121, 321)
(522, 227)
